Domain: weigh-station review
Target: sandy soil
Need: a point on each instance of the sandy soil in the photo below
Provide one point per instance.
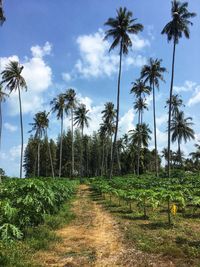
(94, 239)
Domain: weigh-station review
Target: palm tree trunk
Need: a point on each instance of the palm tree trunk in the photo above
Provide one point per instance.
(118, 160)
(170, 107)
(117, 116)
(81, 167)
(61, 139)
(38, 174)
(111, 148)
(102, 162)
(179, 151)
(50, 156)
(72, 125)
(139, 144)
(22, 134)
(155, 135)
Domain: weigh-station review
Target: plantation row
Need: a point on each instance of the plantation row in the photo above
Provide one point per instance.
(151, 195)
(24, 203)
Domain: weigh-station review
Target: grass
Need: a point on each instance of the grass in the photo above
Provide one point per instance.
(20, 253)
(179, 242)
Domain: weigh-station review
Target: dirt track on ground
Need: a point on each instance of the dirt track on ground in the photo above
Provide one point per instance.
(93, 239)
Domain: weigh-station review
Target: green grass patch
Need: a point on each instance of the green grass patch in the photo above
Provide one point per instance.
(20, 253)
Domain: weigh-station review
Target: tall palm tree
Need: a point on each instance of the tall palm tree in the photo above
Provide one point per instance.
(81, 119)
(3, 96)
(109, 116)
(181, 130)
(140, 105)
(140, 131)
(176, 103)
(196, 156)
(71, 102)
(13, 79)
(40, 126)
(2, 17)
(140, 89)
(120, 28)
(153, 73)
(175, 29)
(59, 107)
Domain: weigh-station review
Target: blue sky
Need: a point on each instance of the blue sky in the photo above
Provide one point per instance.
(61, 46)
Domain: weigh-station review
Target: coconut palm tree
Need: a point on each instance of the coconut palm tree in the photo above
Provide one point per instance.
(139, 137)
(196, 156)
(140, 105)
(102, 134)
(81, 119)
(71, 102)
(2, 17)
(60, 108)
(40, 126)
(153, 73)
(3, 96)
(181, 130)
(141, 134)
(140, 89)
(109, 116)
(120, 28)
(14, 81)
(176, 103)
(175, 29)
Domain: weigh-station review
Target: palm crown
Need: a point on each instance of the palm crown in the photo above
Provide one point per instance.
(176, 103)
(70, 97)
(153, 72)
(139, 88)
(2, 17)
(180, 22)
(59, 106)
(121, 27)
(140, 135)
(40, 124)
(12, 76)
(181, 128)
(3, 95)
(81, 119)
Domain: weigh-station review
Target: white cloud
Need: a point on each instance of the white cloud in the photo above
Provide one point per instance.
(126, 122)
(14, 152)
(195, 99)
(95, 59)
(161, 120)
(38, 76)
(39, 52)
(66, 76)
(188, 86)
(139, 43)
(10, 127)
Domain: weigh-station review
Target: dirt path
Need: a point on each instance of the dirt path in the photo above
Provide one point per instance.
(93, 239)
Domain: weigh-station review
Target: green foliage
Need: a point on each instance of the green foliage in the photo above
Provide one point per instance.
(25, 203)
(150, 193)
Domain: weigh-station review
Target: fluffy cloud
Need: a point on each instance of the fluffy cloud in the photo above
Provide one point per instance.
(66, 76)
(195, 99)
(10, 127)
(126, 122)
(188, 86)
(95, 59)
(38, 76)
